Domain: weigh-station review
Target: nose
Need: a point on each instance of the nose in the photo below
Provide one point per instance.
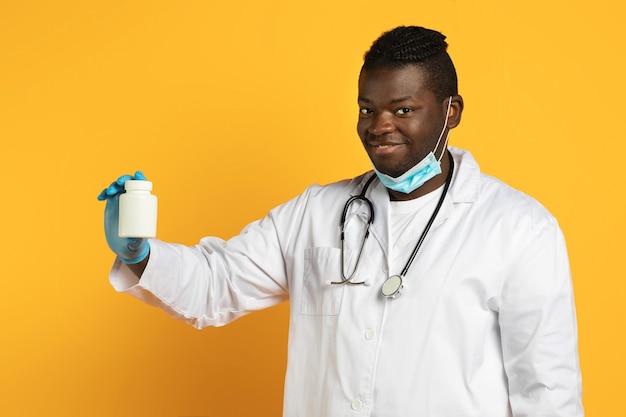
(381, 123)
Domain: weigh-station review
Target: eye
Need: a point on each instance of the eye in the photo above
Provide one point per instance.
(365, 111)
(403, 111)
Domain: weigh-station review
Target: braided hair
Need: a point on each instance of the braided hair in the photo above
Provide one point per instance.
(415, 45)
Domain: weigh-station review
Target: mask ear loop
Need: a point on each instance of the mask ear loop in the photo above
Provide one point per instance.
(445, 124)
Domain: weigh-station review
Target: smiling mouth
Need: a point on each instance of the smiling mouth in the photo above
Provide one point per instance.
(383, 148)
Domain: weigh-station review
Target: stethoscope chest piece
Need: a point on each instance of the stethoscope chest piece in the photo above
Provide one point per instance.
(392, 287)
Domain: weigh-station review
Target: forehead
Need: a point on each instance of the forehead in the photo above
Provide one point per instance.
(392, 83)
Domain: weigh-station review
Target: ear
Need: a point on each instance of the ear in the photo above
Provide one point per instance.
(456, 109)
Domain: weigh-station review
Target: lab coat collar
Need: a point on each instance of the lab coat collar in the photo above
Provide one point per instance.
(466, 177)
(465, 183)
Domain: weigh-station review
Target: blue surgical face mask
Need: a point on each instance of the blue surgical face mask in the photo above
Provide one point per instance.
(425, 169)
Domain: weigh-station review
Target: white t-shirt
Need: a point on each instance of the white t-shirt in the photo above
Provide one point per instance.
(407, 220)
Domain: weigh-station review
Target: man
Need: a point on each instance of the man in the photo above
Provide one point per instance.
(434, 291)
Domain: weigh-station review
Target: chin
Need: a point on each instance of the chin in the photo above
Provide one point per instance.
(394, 172)
(384, 168)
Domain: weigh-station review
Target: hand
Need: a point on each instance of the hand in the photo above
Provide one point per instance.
(129, 250)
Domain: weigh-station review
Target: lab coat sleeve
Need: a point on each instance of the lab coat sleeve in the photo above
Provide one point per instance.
(216, 281)
(538, 327)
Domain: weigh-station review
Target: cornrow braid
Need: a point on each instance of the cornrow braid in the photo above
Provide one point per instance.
(415, 45)
(405, 45)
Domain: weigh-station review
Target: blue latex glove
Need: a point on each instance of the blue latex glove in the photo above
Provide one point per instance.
(129, 250)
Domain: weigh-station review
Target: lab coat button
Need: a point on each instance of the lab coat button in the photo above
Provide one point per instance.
(357, 405)
(370, 334)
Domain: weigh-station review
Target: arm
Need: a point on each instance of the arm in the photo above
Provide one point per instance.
(538, 329)
(215, 281)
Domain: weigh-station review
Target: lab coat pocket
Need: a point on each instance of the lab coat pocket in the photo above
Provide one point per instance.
(319, 296)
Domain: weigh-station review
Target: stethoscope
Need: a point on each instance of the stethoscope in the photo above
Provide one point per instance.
(393, 285)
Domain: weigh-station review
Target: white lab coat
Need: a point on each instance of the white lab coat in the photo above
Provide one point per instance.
(485, 327)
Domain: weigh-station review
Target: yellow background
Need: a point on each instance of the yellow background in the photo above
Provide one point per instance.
(232, 108)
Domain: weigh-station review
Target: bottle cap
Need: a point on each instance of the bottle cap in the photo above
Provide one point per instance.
(138, 185)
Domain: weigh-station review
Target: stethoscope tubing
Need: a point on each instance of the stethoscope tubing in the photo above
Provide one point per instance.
(362, 197)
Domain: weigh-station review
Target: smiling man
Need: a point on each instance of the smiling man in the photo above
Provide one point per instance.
(423, 288)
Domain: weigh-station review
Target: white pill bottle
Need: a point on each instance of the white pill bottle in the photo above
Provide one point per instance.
(138, 210)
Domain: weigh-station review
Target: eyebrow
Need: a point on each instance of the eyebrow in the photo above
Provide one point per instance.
(394, 101)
